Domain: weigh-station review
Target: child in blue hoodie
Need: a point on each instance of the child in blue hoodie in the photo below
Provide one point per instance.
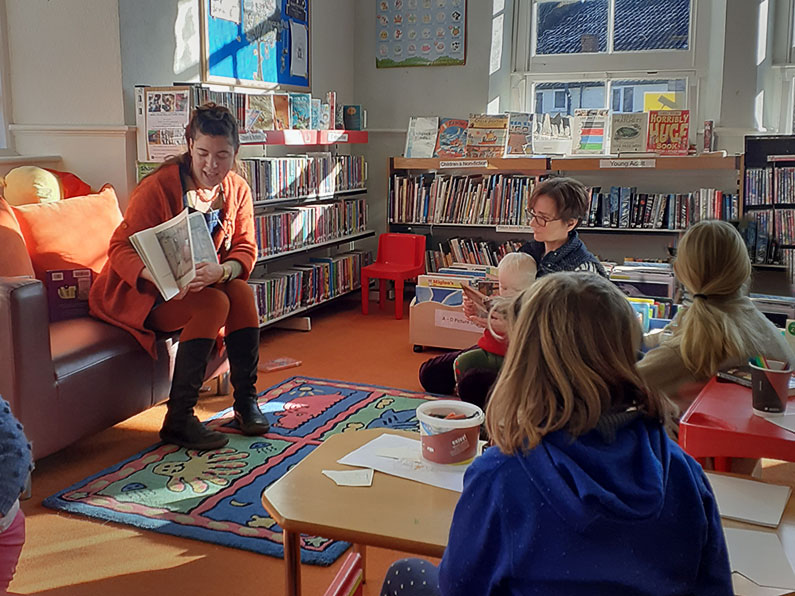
(584, 493)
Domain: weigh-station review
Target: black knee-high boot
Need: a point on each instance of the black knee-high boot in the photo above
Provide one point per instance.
(181, 426)
(242, 349)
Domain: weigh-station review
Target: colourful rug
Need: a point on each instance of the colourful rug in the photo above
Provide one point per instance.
(215, 496)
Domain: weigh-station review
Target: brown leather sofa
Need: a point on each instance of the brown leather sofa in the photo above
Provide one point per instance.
(72, 378)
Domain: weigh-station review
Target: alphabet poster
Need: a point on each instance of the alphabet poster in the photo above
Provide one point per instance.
(420, 33)
(258, 43)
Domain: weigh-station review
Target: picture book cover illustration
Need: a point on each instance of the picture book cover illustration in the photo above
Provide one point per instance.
(487, 135)
(316, 109)
(452, 138)
(300, 110)
(590, 131)
(421, 136)
(67, 293)
(552, 134)
(628, 132)
(353, 117)
(668, 132)
(259, 112)
(281, 111)
(520, 134)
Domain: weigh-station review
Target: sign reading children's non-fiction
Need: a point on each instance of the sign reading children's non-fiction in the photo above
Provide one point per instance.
(669, 132)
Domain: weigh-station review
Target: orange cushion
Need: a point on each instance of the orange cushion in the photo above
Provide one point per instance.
(71, 233)
(15, 259)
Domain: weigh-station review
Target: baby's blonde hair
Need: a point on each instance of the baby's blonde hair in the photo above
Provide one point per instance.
(571, 357)
(521, 267)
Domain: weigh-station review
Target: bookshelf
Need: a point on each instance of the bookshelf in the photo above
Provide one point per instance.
(414, 189)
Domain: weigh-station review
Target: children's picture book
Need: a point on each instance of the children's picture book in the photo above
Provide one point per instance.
(486, 135)
(331, 100)
(300, 110)
(520, 134)
(314, 121)
(259, 112)
(171, 250)
(339, 117)
(67, 293)
(279, 364)
(552, 134)
(353, 117)
(421, 136)
(628, 132)
(325, 116)
(589, 131)
(451, 142)
(482, 302)
(281, 111)
(668, 132)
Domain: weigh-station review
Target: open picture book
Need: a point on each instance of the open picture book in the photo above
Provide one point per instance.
(171, 250)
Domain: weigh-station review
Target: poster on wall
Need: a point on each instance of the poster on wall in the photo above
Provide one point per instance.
(167, 112)
(420, 33)
(256, 43)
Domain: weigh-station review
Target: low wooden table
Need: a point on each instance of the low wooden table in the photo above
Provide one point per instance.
(393, 513)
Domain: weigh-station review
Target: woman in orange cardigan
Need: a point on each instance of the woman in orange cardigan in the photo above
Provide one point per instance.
(125, 295)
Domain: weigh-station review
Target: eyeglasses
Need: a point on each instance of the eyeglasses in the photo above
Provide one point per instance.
(541, 220)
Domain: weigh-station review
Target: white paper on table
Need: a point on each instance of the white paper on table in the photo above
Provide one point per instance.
(745, 587)
(450, 477)
(785, 421)
(351, 477)
(759, 556)
(749, 500)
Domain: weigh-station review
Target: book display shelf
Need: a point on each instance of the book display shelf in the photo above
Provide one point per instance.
(476, 208)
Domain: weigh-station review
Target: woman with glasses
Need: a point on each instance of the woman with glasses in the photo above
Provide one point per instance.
(555, 209)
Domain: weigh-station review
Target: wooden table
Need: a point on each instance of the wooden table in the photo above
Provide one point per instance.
(393, 513)
(720, 423)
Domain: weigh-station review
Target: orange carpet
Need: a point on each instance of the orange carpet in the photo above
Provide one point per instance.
(76, 556)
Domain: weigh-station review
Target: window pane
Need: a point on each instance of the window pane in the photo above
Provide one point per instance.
(652, 94)
(565, 27)
(567, 97)
(616, 100)
(539, 103)
(658, 25)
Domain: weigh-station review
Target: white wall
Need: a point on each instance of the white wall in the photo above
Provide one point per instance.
(65, 84)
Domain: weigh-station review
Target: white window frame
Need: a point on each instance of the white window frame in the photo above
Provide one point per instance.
(527, 61)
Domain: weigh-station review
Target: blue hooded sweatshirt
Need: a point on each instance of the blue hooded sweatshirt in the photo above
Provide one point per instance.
(634, 516)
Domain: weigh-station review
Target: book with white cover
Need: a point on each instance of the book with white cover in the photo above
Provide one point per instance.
(170, 250)
(749, 500)
(421, 136)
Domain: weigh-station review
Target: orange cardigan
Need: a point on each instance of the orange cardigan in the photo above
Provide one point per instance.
(119, 295)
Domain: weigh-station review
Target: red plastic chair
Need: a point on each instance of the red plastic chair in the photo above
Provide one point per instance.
(349, 579)
(400, 257)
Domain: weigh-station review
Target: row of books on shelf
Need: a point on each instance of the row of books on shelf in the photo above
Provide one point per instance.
(305, 285)
(474, 251)
(497, 199)
(282, 230)
(624, 207)
(761, 238)
(163, 112)
(502, 199)
(770, 186)
(518, 134)
(303, 176)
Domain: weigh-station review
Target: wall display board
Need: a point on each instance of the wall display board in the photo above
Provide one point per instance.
(259, 43)
(420, 33)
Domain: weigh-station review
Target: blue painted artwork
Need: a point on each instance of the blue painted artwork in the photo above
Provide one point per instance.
(248, 42)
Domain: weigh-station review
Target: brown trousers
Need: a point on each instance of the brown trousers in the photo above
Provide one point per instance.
(200, 315)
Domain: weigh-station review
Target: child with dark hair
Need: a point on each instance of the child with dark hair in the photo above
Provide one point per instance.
(16, 463)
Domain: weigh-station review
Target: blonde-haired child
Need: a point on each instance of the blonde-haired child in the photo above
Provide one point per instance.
(476, 369)
(584, 492)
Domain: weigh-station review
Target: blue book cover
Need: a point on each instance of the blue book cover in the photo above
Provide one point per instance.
(300, 110)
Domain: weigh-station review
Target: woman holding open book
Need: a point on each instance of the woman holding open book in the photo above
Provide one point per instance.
(125, 294)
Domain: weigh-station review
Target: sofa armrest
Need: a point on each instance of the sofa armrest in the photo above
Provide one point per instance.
(27, 377)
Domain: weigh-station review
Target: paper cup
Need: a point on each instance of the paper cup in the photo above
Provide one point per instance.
(445, 440)
(769, 386)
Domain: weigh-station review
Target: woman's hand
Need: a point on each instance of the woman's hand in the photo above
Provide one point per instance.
(471, 313)
(206, 275)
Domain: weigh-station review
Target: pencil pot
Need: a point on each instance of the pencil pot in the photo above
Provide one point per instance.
(769, 386)
(449, 430)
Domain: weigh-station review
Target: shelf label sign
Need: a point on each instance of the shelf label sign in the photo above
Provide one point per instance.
(454, 319)
(627, 163)
(337, 137)
(468, 163)
(514, 229)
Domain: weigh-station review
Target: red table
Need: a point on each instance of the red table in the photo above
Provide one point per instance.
(720, 423)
